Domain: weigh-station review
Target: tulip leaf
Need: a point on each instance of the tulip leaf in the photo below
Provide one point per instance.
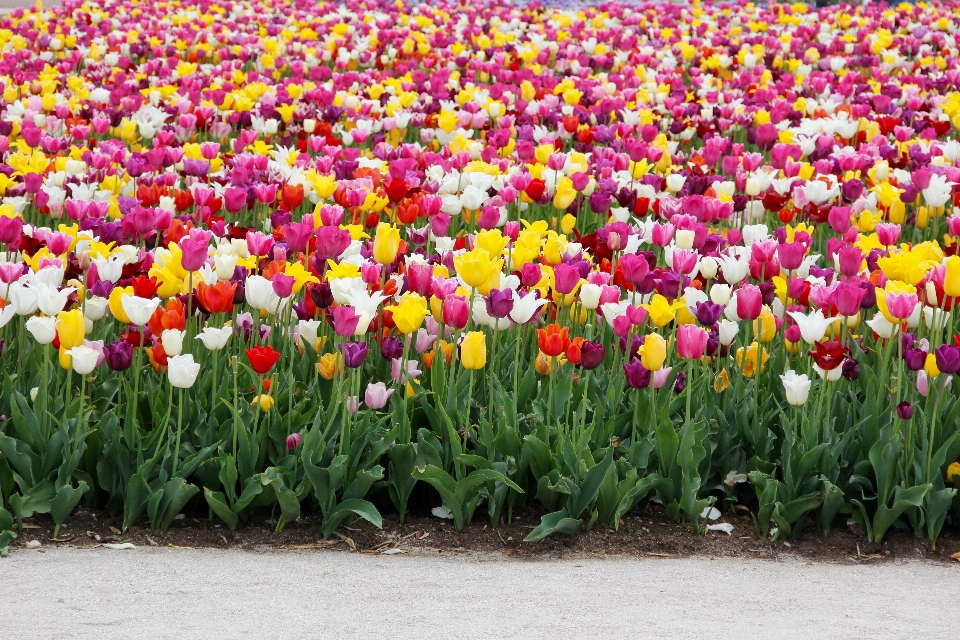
(64, 502)
(556, 522)
(218, 504)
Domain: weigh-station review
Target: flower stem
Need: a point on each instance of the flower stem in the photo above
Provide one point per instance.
(176, 447)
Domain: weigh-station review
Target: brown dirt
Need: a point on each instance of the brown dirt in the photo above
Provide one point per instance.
(647, 534)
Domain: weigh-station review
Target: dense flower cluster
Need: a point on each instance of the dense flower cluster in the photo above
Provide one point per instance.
(673, 248)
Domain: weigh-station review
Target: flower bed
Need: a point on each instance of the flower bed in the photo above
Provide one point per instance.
(333, 258)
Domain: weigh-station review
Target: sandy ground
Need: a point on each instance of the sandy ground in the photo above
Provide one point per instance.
(149, 593)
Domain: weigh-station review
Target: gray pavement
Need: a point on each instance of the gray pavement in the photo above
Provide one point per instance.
(148, 593)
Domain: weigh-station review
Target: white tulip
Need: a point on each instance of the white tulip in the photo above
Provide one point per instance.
(95, 308)
(83, 359)
(814, 326)
(139, 309)
(215, 339)
(182, 371)
(525, 307)
(22, 298)
(797, 387)
(44, 330)
(728, 332)
(172, 341)
(590, 295)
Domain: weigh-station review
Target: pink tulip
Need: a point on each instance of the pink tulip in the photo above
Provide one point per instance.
(901, 305)
(377, 395)
(661, 376)
(749, 302)
(691, 341)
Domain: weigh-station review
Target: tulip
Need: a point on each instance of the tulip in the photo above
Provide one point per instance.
(901, 305)
(293, 441)
(691, 342)
(330, 366)
(638, 376)
(70, 328)
(409, 314)
(951, 279)
(386, 243)
(749, 302)
(83, 359)
(653, 352)
(377, 395)
(119, 355)
(354, 353)
(812, 327)
(553, 340)
(456, 311)
(948, 359)
(172, 340)
(904, 410)
(182, 371)
(139, 310)
(661, 376)
(215, 339)
(526, 306)
(473, 350)
(797, 387)
(261, 358)
(43, 329)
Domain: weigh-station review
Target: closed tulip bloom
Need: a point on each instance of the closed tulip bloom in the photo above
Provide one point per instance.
(172, 341)
(635, 268)
(354, 353)
(638, 376)
(691, 341)
(115, 303)
(217, 298)
(377, 395)
(653, 352)
(138, 309)
(70, 328)
(749, 302)
(43, 329)
(83, 359)
(456, 311)
(386, 243)
(119, 355)
(948, 358)
(728, 330)
(499, 303)
(591, 354)
(797, 387)
(293, 441)
(951, 278)
(262, 359)
(848, 297)
(900, 305)
(182, 371)
(473, 350)
(904, 410)
(215, 339)
(565, 278)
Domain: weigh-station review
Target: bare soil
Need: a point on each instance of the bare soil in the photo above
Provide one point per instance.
(649, 533)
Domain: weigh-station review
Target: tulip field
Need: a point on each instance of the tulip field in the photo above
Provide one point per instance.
(365, 258)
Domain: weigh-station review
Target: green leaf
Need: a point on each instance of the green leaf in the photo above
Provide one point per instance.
(348, 508)
(903, 499)
(556, 522)
(590, 486)
(218, 503)
(64, 502)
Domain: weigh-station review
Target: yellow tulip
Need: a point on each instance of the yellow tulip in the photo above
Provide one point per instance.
(70, 328)
(951, 280)
(473, 350)
(476, 267)
(386, 243)
(765, 327)
(265, 401)
(661, 311)
(930, 366)
(330, 366)
(747, 359)
(116, 308)
(653, 352)
(409, 314)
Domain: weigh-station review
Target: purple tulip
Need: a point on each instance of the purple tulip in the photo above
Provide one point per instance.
(119, 355)
(391, 348)
(293, 440)
(354, 353)
(499, 303)
(948, 358)
(708, 313)
(905, 410)
(591, 354)
(638, 377)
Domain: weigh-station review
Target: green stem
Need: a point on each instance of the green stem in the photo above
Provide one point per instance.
(176, 447)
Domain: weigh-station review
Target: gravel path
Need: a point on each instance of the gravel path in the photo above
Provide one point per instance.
(180, 594)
